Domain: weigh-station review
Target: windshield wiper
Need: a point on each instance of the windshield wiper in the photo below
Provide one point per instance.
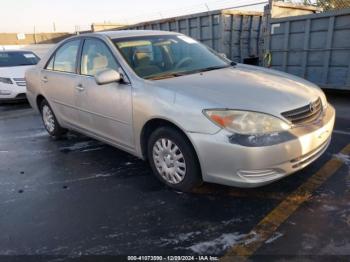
(165, 76)
(183, 73)
(211, 68)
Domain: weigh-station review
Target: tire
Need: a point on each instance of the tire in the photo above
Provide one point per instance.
(173, 159)
(50, 121)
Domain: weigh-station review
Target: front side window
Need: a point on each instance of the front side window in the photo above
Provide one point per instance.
(156, 57)
(20, 58)
(96, 57)
(65, 58)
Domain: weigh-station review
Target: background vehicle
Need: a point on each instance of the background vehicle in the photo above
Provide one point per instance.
(13, 65)
(194, 115)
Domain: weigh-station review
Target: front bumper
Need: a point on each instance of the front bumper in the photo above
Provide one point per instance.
(12, 92)
(226, 160)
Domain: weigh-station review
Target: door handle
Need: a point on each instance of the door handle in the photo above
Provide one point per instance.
(44, 79)
(80, 87)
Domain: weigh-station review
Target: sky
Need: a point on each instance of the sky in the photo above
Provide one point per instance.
(22, 16)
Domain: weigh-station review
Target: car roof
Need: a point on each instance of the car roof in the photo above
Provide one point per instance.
(133, 33)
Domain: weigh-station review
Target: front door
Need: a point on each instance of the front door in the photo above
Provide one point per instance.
(105, 110)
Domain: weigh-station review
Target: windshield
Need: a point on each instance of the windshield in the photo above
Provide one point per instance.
(157, 57)
(8, 59)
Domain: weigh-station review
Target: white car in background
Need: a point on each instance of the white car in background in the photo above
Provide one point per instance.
(13, 65)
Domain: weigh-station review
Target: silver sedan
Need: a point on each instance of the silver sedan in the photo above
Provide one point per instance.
(193, 114)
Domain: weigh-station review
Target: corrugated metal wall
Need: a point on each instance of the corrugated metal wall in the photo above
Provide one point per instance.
(315, 47)
(242, 36)
(237, 34)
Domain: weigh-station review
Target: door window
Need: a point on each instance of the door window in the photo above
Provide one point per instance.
(65, 58)
(50, 64)
(96, 57)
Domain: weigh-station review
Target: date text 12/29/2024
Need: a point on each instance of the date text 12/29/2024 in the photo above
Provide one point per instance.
(172, 258)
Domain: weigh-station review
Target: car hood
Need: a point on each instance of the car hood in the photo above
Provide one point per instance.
(14, 71)
(246, 88)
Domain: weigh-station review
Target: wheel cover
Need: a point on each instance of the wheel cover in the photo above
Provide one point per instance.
(169, 161)
(49, 120)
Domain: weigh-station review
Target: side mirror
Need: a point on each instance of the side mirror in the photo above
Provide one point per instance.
(107, 76)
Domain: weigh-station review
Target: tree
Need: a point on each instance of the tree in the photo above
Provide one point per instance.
(329, 4)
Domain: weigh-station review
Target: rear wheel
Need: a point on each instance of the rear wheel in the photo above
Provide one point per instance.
(173, 159)
(50, 122)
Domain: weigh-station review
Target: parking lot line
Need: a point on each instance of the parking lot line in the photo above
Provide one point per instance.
(268, 225)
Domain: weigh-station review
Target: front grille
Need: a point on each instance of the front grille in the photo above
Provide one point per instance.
(305, 114)
(20, 81)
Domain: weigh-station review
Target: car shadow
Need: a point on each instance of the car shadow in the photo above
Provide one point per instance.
(14, 105)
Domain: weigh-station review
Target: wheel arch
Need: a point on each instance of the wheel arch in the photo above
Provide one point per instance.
(39, 99)
(156, 123)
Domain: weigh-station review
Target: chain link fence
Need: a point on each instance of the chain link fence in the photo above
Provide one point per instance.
(326, 5)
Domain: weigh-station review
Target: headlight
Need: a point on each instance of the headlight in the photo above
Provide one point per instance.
(6, 80)
(246, 122)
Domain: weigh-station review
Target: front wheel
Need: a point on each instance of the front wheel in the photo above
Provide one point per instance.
(173, 159)
(50, 122)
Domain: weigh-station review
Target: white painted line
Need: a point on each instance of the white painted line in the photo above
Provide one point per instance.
(341, 132)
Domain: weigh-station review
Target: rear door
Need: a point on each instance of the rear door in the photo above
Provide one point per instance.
(105, 110)
(60, 80)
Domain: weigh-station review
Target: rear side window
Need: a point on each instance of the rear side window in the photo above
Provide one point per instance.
(65, 58)
(50, 64)
(96, 57)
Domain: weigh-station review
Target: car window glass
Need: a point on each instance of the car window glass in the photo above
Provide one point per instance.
(96, 57)
(153, 57)
(66, 56)
(50, 64)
